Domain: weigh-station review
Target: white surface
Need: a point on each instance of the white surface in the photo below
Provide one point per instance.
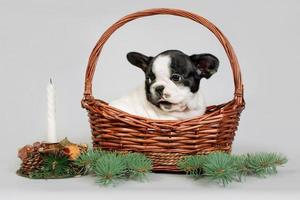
(43, 39)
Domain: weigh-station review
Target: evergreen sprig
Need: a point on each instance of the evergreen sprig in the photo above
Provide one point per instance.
(225, 168)
(89, 159)
(137, 165)
(240, 165)
(220, 167)
(109, 167)
(263, 164)
(55, 166)
(192, 165)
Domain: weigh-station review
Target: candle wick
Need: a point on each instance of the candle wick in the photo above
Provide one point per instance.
(51, 81)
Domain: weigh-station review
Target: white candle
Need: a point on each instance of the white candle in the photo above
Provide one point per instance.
(51, 113)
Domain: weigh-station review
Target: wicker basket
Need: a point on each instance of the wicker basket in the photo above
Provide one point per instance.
(164, 141)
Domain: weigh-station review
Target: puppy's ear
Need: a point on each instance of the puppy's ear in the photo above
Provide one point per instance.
(139, 60)
(206, 64)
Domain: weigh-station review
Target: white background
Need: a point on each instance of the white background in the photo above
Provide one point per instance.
(53, 38)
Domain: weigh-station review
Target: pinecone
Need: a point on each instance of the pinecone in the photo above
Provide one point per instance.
(31, 164)
(31, 158)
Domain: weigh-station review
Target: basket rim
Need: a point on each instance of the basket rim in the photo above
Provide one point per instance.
(90, 102)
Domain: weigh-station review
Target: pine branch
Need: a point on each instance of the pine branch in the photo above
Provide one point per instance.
(192, 165)
(55, 166)
(138, 165)
(89, 159)
(263, 164)
(109, 168)
(58, 164)
(240, 166)
(225, 168)
(112, 166)
(220, 167)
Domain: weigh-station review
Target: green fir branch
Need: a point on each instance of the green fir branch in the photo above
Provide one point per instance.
(137, 165)
(112, 166)
(225, 168)
(220, 167)
(89, 159)
(240, 165)
(263, 164)
(192, 165)
(55, 166)
(109, 168)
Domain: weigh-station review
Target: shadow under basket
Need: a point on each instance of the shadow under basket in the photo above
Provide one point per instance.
(163, 141)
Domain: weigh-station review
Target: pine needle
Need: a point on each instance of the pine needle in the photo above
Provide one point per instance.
(89, 158)
(55, 166)
(112, 166)
(225, 168)
(109, 168)
(240, 166)
(192, 165)
(220, 167)
(263, 164)
(138, 165)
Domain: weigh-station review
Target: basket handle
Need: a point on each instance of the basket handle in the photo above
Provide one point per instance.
(238, 93)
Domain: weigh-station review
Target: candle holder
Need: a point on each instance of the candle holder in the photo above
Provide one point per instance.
(44, 160)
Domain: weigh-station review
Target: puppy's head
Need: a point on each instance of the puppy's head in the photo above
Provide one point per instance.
(172, 77)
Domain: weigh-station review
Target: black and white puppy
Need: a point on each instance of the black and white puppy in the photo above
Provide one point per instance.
(171, 90)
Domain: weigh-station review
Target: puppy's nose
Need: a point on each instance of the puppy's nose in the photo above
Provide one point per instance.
(159, 90)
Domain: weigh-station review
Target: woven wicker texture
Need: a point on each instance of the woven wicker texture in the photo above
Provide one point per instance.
(164, 141)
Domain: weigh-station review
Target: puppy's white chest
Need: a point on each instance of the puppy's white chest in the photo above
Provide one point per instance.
(136, 103)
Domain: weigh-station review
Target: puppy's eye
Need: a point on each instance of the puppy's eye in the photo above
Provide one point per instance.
(149, 80)
(176, 77)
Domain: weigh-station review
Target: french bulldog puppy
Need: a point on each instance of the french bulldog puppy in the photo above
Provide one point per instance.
(171, 89)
